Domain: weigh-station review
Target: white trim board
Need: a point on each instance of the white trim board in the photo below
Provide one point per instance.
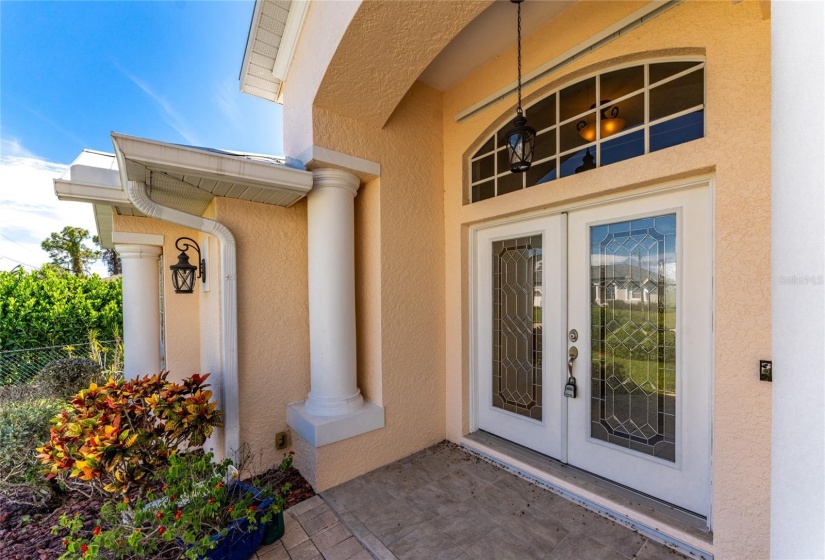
(137, 238)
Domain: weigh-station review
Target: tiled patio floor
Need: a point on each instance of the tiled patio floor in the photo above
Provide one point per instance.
(314, 532)
(444, 503)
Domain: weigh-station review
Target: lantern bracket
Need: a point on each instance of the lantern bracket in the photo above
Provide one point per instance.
(189, 243)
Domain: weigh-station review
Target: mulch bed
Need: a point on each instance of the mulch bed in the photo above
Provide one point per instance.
(26, 531)
(300, 491)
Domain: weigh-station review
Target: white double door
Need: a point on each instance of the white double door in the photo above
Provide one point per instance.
(628, 285)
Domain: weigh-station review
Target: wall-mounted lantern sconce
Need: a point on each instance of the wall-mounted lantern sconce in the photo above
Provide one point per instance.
(183, 273)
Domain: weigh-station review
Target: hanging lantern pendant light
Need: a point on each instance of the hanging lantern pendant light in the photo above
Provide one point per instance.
(521, 138)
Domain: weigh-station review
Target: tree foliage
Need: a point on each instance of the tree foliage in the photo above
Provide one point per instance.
(67, 250)
(50, 307)
(110, 258)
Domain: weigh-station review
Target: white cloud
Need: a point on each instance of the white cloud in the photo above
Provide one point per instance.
(29, 209)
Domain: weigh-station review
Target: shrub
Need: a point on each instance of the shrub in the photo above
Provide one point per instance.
(10, 394)
(116, 435)
(198, 499)
(64, 378)
(23, 426)
(49, 307)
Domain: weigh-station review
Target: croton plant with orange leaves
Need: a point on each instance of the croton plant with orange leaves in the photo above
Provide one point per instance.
(115, 435)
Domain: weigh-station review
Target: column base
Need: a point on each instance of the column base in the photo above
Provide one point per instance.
(320, 406)
(323, 430)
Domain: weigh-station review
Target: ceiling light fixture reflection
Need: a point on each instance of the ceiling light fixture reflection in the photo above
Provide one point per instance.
(610, 125)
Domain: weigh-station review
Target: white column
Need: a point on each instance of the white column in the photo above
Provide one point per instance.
(331, 256)
(798, 280)
(334, 409)
(141, 309)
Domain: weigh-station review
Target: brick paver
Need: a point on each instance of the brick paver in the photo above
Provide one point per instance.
(314, 532)
(445, 503)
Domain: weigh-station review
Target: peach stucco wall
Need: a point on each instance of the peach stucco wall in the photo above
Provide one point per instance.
(735, 39)
(273, 327)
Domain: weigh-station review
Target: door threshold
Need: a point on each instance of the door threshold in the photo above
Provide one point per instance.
(674, 527)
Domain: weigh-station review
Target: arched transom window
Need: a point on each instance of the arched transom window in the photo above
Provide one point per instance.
(603, 119)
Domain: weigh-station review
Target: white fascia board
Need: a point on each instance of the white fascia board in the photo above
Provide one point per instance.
(79, 192)
(193, 161)
(286, 50)
(91, 175)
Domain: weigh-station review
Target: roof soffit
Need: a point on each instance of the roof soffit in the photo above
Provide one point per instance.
(383, 52)
(265, 33)
(187, 178)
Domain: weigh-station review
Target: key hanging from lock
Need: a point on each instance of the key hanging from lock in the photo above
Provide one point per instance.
(570, 387)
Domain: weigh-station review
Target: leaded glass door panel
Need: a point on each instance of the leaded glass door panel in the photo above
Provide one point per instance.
(517, 358)
(640, 285)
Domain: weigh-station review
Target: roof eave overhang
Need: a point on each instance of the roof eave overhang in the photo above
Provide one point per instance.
(264, 70)
(184, 160)
(99, 187)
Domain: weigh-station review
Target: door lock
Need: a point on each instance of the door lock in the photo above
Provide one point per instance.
(573, 335)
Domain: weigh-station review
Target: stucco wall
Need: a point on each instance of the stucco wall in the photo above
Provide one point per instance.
(181, 311)
(736, 150)
(399, 264)
(273, 324)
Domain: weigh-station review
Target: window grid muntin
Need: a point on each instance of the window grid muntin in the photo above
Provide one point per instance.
(699, 66)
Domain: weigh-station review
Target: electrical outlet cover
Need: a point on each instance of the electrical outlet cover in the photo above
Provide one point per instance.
(765, 370)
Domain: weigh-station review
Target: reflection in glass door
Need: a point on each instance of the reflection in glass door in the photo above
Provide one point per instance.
(640, 295)
(633, 338)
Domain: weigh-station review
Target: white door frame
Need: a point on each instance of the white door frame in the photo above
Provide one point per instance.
(707, 181)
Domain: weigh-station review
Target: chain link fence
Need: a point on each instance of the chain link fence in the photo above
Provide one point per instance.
(20, 366)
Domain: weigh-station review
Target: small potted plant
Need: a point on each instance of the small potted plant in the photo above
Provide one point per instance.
(275, 529)
(197, 509)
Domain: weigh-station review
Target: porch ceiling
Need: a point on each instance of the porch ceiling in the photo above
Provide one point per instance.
(487, 36)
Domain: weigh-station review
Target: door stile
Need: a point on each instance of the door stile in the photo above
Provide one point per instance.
(563, 280)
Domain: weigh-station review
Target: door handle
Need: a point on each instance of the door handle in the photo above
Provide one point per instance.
(570, 387)
(572, 354)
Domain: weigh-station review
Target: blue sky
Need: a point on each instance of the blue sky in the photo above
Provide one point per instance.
(72, 72)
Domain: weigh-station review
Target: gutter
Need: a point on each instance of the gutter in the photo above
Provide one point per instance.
(138, 195)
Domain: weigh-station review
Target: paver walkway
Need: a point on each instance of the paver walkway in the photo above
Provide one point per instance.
(444, 503)
(314, 532)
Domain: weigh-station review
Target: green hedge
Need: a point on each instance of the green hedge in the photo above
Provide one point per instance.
(50, 307)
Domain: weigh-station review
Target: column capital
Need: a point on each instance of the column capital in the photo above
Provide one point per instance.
(130, 251)
(330, 177)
